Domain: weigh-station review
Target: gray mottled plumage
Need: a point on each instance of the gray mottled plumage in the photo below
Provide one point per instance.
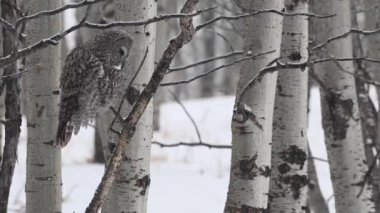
(90, 81)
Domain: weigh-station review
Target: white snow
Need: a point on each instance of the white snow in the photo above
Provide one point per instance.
(184, 179)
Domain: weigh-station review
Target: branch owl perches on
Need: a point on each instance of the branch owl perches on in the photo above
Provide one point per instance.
(91, 81)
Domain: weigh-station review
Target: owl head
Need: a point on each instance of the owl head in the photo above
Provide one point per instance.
(116, 45)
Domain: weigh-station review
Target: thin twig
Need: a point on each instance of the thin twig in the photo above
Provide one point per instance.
(215, 69)
(273, 67)
(53, 40)
(223, 37)
(147, 21)
(228, 55)
(345, 35)
(192, 144)
(368, 174)
(188, 115)
(55, 11)
(7, 25)
(219, 18)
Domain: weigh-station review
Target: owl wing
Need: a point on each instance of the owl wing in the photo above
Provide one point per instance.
(80, 71)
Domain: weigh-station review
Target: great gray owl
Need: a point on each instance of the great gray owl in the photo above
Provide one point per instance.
(90, 81)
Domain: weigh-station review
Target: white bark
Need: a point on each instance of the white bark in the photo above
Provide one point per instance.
(2, 109)
(371, 49)
(251, 140)
(341, 121)
(129, 192)
(288, 184)
(43, 181)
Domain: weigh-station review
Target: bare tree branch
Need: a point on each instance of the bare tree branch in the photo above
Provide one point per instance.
(228, 55)
(344, 35)
(219, 18)
(188, 115)
(215, 69)
(147, 21)
(192, 144)
(53, 40)
(55, 11)
(279, 65)
(367, 175)
(7, 25)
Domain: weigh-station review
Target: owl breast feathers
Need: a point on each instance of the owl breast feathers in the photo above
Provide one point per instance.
(90, 81)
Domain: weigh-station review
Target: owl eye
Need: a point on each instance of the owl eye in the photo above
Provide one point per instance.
(123, 51)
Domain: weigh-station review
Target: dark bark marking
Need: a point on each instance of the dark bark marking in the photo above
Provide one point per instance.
(294, 155)
(295, 56)
(243, 130)
(340, 112)
(49, 143)
(38, 164)
(31, 125)
(143, 183)
(296, 183)
(111, 147)
(45, 178)
(294, 4)
(284, 168)
(56, 92)
(246, 209)
(281, 93)
(248, 169)
(40, 111)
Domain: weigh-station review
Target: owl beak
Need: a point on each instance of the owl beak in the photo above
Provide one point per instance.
(120, 66)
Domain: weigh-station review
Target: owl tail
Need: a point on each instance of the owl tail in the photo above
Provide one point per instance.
(64, 132)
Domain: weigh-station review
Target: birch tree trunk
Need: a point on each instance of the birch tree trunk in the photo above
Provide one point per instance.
(1, 101)
(12, 109)
(372, 48)
(251, 138)
(43, 172)
(129, 192)
(288, 184)
(341, 121)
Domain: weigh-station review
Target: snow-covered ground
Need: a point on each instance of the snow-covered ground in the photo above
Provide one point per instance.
(184, 179)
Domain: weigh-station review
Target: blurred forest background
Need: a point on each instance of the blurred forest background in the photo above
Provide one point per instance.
(180, 157)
